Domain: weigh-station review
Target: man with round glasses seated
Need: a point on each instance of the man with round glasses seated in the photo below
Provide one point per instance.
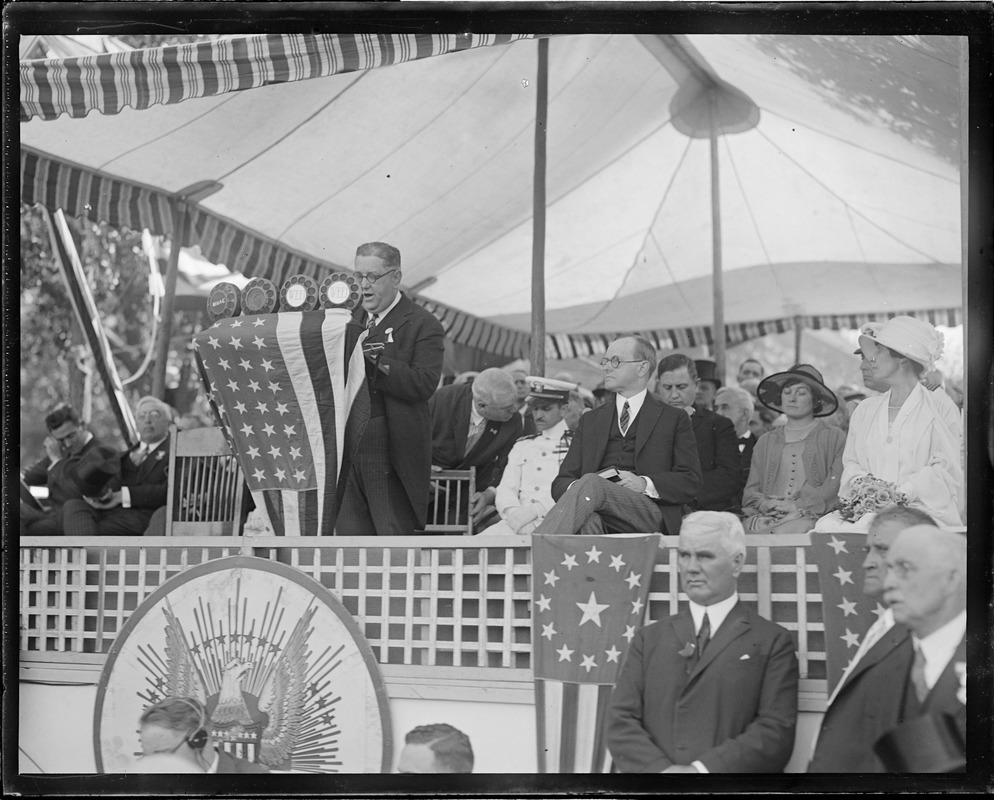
(121, 491)
(67, 442)
(633, 463)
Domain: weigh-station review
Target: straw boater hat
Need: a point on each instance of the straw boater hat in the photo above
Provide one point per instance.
(770, 389)
(913, 338)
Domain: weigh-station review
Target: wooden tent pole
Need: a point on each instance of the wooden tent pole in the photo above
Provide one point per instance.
(537, 352)
(718, 327)
(798, 338)
(169, 300)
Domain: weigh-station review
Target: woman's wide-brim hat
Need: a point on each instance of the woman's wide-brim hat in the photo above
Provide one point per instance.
(912, 338)
(95, 470)
(770, 389)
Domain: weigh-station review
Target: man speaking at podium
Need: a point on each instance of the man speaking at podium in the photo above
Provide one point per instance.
(387, 488)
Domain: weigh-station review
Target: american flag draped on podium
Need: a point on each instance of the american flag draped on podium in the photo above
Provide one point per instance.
(290, 389)
(847, 612)
(589, 596)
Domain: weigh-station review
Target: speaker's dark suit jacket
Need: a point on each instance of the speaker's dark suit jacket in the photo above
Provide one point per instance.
(413, 351)
(665, 452)
(866, 706)
(735, 711)
(721, 464)
(450, 413)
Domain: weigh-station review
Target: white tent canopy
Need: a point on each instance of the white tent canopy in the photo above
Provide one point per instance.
(841, 201)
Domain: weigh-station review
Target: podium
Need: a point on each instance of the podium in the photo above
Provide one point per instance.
(289, 390)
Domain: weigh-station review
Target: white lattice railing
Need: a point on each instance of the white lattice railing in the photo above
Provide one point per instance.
(427, 601)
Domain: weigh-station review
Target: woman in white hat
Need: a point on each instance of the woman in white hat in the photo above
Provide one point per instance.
(903, 436)
(796, 467)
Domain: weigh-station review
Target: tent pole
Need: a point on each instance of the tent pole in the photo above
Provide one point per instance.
(718, 327)
(537, 354)
(169, 300)
(798, 338)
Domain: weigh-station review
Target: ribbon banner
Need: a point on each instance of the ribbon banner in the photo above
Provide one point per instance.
(847, 612)
(589, 597)
(290, 389)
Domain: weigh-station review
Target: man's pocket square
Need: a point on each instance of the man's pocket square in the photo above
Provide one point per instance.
(743, 658)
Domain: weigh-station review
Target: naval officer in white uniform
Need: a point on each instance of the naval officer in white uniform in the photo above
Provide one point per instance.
(524, 495)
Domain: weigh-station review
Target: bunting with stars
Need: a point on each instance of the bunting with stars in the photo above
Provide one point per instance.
(847, 612)
(290, 389)
(589, 596)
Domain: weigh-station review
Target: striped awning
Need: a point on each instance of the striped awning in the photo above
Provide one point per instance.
(143, 78)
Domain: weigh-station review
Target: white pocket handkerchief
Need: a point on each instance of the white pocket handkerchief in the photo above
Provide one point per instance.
(743, 658)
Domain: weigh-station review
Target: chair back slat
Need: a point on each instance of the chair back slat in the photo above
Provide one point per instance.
(451, 491)
(206, 486)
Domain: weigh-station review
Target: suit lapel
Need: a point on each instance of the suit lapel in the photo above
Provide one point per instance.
(397, 318)
(735, 625)
(595, 445)
(645, 421)
(893, 638)
(683, 626)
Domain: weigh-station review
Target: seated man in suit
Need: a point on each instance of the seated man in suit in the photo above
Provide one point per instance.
(67, 442)
(136, 482)
(717, 447)
(866, 702)
(925, 587)
(524, 495)
(712, 688)
(181, 726)
(736, 404)
(475, 426)
(632, 464)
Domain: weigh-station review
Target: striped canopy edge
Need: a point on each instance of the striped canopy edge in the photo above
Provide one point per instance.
(110, 82)
(100, 198)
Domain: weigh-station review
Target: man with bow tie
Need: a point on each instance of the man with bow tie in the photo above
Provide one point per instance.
(867, 700)
(387, 488)
(122, 491)
(712, 688)
(737, 405)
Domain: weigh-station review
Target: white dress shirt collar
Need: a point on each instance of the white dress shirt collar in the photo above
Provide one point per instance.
(634, 404)
(717, 612)
(939, 647)
(556, 432)
(379, 315)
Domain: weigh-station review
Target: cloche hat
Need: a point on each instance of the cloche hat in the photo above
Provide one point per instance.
(770, 389)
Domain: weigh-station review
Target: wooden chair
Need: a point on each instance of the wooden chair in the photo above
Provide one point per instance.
(206, 486)
(448, 507)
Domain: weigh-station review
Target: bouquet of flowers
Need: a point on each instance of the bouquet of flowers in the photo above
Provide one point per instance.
(868, 494)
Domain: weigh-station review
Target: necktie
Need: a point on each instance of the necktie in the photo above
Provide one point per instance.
(918, 674)
(475, 432)
(371, 322)
(703, 635)
(139, 455)
(625, 418)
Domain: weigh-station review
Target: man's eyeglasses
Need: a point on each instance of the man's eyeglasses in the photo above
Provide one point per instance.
(615, 362)
(154, 414)
(371, 277)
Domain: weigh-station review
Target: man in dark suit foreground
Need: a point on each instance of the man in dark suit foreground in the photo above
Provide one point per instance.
(180, 726)
(925, 587)
(867, 701)
(633, 463)
(678, 386)
(714, 687)
(120, 492)
(387, 489)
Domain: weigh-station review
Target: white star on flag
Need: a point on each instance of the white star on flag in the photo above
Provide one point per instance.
(253, 452)
(240, 407)
(236, 343)
(274, 387)
(851, 639)
(232, 385)
(551, 578)
(236, 323)
(633, 580)
(245, 364)
(254, 386)
(617, 563)
(548, 631)
(591, 610)
(588, 663)
(879, 610)
(837, 546)
(295, 452)
(257, 322)
(636, 605)
(629, 633)
(274, 451)
(262, 408)
(593, 554)
(299, 475)
(848, 607)
(267, 365)
(289, 430)
(259, 474)
(213, 342)
(224, 363)
(843, 576)
(281, 474)
(569, 561)
(612, 654)
(269, 429)
(281, 407)
(565, 654)
(259, 342)
(247, 429)
(543, 603)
